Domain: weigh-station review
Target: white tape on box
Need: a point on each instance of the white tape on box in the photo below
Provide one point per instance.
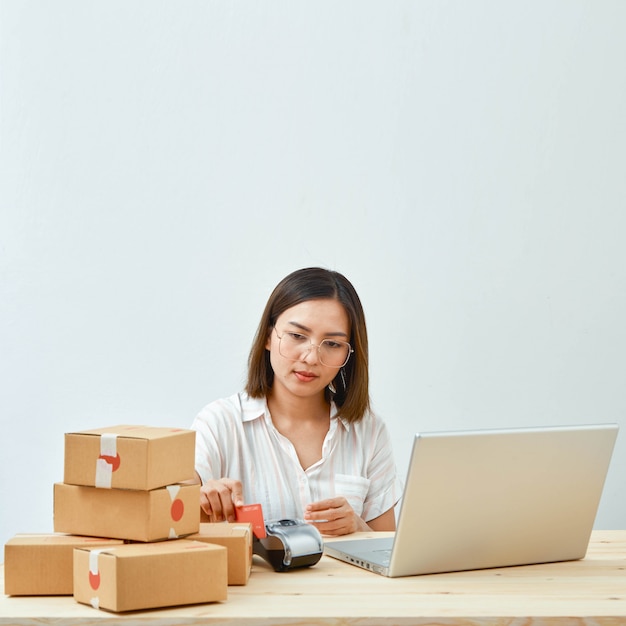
(108, 444)
(104, 469)
(173, 491)
(93, 561)
(94, 575)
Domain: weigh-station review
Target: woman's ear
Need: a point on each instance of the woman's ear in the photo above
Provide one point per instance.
(268, 342)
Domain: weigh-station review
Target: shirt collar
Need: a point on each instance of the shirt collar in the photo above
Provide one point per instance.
(254, 408)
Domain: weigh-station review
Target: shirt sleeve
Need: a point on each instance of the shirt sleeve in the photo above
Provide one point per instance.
(214, 427)
(385, 485)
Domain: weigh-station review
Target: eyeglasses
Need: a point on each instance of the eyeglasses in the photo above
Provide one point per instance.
(332, 353)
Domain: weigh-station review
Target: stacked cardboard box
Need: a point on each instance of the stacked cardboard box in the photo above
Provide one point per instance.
(149, 575)
(237, 539)
(124, 482)
(41, 564)
(127, 484)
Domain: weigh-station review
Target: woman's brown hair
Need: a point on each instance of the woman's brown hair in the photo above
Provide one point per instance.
(315, 283)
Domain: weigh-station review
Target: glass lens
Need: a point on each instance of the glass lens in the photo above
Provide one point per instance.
(295, 346)
(334, 353)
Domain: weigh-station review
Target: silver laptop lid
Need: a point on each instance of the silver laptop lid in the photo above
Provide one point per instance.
(491, 498)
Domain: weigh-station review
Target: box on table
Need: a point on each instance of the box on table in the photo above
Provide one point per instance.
(165, 513)
(129, 457)
(237, 539)
(41, 564)
(150, 575)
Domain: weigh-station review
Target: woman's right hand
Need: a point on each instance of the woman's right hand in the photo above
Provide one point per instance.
(218, 499)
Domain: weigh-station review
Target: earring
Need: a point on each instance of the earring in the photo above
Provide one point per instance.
(343, 379)
(331, 387)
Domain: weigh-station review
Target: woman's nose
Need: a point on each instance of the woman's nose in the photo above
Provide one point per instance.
(311, 355)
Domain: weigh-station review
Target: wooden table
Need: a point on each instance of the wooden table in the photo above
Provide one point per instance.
(588, 592)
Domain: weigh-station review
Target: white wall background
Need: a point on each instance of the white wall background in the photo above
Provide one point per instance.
(164, 164)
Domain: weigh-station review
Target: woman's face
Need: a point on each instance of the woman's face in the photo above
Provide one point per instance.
(309, 322)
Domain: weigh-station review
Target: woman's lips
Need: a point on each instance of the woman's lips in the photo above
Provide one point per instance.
(305, 377)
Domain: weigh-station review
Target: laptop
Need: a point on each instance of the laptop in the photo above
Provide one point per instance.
(492, 498)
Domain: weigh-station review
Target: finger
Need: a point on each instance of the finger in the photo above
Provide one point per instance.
(323, 505)
(236, 492)
(332, 508)
(204, 503)
(228, 508)
(323, 515)
(215, 504)
(227, 499)
(330, 528)
(220, 500)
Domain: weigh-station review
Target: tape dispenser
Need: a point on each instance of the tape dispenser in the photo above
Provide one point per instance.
(289, 544)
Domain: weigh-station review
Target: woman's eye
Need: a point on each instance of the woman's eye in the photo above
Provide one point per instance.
(296, 337)
(333, 345)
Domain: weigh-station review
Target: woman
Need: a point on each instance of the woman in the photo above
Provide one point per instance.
(302, 440)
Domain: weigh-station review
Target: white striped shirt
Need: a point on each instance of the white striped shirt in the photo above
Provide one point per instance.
(237, 439)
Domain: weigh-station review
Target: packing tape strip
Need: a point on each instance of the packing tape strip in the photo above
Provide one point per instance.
(108, 444)
(104, 470)
(93, 561)
(104, 474)
(173, 491)
(94, 571)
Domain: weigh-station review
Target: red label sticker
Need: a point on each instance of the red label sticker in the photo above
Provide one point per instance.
(94, 580)
(113, 461)
(177, 509)
(252, 513)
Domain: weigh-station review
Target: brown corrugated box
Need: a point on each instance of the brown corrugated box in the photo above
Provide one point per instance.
(129, 457)
(166, 513)
(41, 564)
(144, 576)
(237, 539)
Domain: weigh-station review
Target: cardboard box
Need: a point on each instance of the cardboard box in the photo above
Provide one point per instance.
(41, 564)
(129, 457)
(166, 513)
(150, 575)
(237, 539)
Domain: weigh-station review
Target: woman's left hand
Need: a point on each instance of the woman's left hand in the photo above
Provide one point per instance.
(334, 517)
